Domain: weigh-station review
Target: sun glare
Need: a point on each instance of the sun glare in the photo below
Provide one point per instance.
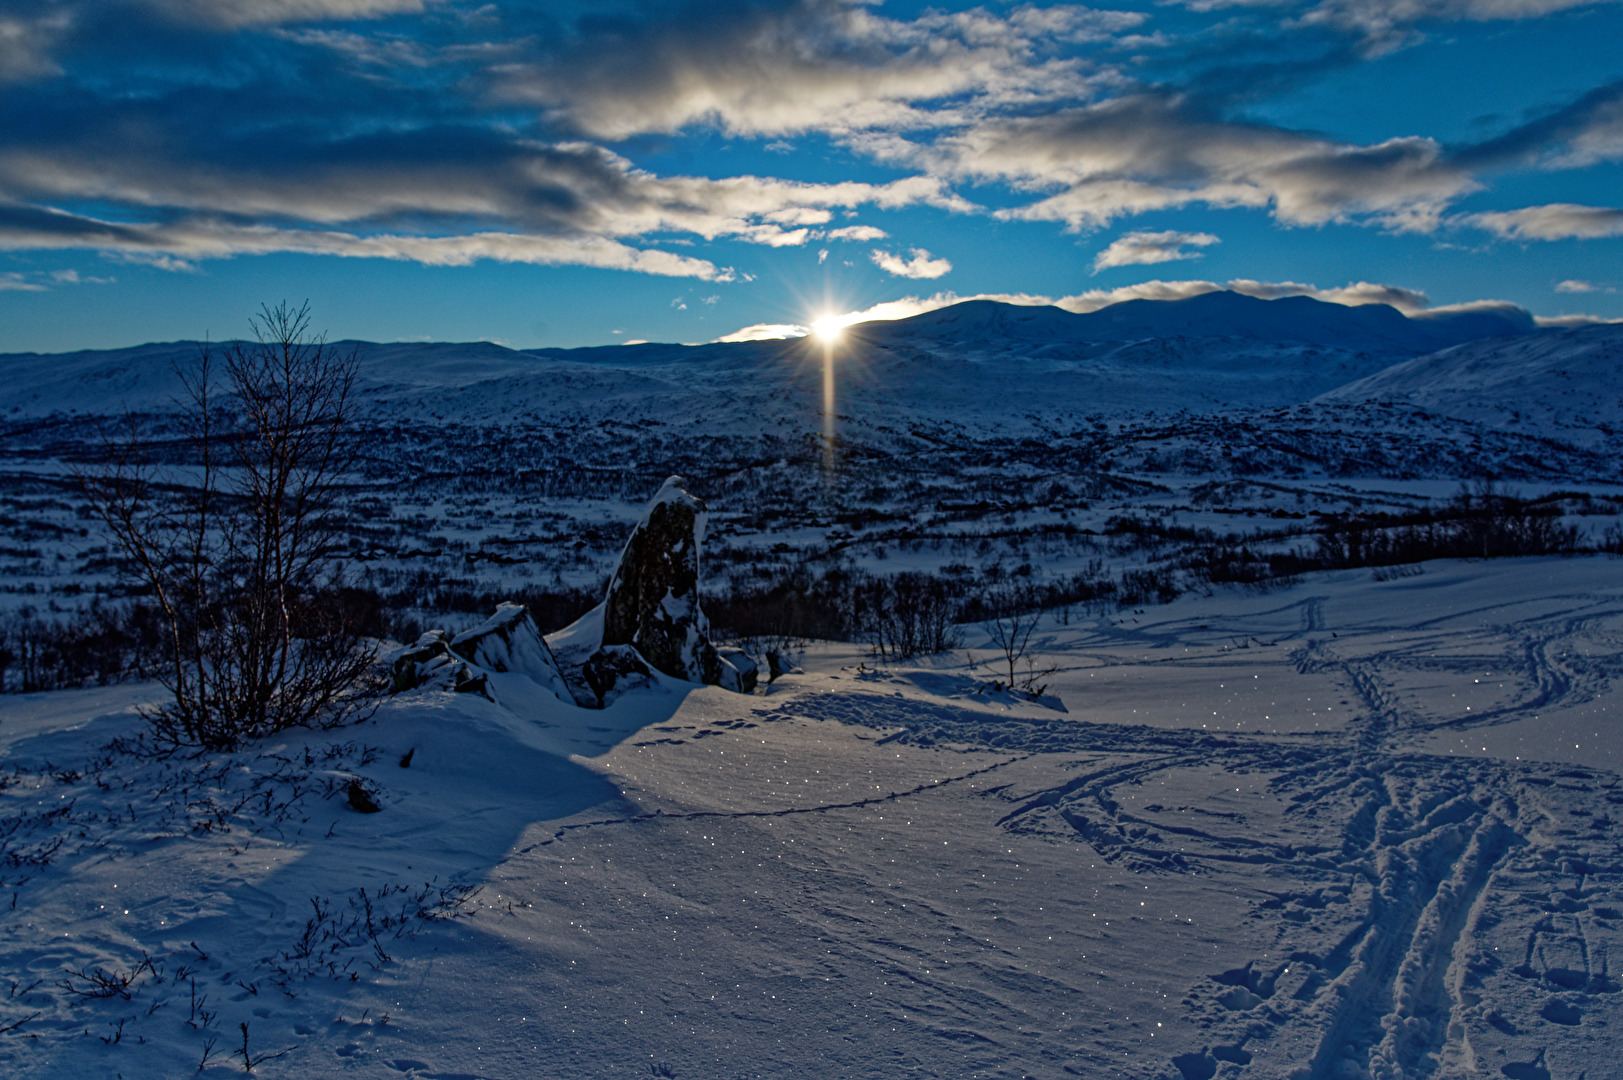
(827, 328)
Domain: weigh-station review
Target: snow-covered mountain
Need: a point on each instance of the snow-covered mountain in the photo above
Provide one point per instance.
(1220, 350)
(1299, 319)
(1567, 382)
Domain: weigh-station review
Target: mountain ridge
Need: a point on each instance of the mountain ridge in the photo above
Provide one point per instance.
(987, 363)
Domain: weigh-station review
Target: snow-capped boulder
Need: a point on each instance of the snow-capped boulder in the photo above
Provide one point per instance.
(649, 621)
(613, 669)
(510, 641)
(653, 599)
(429, 661)
(739, 672)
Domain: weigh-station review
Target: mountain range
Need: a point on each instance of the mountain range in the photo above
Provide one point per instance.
(979, 363)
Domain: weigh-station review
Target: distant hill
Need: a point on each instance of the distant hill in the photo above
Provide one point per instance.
(1566, 382)
(981, 362)
(1297, 319)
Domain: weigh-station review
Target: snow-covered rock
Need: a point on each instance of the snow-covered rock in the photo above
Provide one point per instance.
(653, 598)
(429, 662)
(652, 605)
(510, 641)
(650, 620)
(613, 669)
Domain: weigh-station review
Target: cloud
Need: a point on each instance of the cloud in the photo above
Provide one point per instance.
(1584, 132)
(777, 67)
(179, 130)
(921, 265)
(234, 14)
(42, 281)
(11, 281)
(432, 182)
(1153, 151)
(27, 44)
(1383, 24)
(860, 233)
(1573, 285)
(1145, 248)
(1565, 322)
(455, 174)
(766, 332)
(360, 133)
(31, 228)
(1554, 221)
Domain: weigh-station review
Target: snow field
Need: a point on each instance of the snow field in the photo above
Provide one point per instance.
(874, 872)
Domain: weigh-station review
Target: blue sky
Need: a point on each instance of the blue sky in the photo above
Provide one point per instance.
(578, 173)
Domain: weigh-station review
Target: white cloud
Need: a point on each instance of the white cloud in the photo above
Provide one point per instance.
(1147, 248)
(554, 187)
(1573, 285)
(921, 265)
(203, 239)
(803, 65)
(1383, 24)
(573, 199)
(1154, 151)
(859, 233)
(1569, 321)
(41, 281)
(1553, 221)
(26, 45)
(234, 14)
(766, 332)
(1598, 139)
(1353, 294)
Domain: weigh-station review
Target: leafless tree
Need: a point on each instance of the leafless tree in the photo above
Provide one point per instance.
(1012, 615)
(235, 544)
(906, 615)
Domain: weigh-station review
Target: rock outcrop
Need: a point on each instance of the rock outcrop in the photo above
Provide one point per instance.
(510, 641)
(430, 662)
(650, 620)
(653, 599)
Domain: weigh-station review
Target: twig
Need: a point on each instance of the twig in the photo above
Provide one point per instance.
(248, 1061)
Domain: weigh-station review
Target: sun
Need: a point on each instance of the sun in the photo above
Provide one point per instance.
(827, 328)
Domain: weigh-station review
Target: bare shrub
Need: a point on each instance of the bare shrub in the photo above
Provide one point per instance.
(1481, 523)
(236, 545)
(907, 615)
(1012, 613)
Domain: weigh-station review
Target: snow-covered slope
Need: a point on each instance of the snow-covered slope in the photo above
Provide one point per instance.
(1568, 382)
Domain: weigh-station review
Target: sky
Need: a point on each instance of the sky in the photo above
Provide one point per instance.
(581, 173)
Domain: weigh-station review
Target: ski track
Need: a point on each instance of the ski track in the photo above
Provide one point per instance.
(1435, 860)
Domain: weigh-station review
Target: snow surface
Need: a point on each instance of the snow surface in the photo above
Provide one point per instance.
(1350, 828)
